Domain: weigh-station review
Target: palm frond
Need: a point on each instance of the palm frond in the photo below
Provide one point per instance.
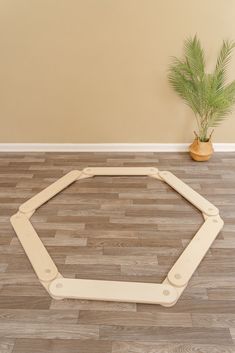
(194, 56)
(223, 61)
(222, 104)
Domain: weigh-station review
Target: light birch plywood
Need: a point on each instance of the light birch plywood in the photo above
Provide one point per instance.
(179, 291)
(189, 194)
(41, 261)
(134, 292)
(46, 194)
(47, 284)
(191, 257)
(120, 171)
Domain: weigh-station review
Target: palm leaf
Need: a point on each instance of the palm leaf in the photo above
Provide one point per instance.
(194, 56)
(223, 61)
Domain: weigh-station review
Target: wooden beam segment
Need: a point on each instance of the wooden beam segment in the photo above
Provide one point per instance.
(135, 292)
(120, 171)
(46, 194)
(189, 194)
(191, 257)
(41, 261)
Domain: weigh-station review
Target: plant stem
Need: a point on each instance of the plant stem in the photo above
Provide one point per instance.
(198, 125)
(204, 128)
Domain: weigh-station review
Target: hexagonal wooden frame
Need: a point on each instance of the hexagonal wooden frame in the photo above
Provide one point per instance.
(166, 293)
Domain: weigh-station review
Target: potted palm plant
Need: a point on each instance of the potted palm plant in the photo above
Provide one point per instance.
(208, 94)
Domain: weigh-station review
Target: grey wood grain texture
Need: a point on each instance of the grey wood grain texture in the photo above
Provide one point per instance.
(116, 228)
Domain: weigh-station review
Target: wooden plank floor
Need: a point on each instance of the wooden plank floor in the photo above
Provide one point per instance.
(116, 228)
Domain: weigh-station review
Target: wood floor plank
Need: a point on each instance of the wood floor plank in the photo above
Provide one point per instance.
(6, 345)
(38, 316)
(69, 304)
(42, 330)
(167, 334)
(214, 320)
(33, 345)
(35, 290)
(194, 306)
(221, 294)
(123, 318)
(112, 260)
(23, 302)
(155, 347)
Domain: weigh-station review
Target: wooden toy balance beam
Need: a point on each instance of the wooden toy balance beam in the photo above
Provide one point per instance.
(166, 293)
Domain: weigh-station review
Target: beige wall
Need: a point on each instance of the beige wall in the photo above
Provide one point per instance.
(95, 70)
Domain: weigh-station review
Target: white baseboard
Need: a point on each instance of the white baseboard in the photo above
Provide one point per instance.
(107, 147)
